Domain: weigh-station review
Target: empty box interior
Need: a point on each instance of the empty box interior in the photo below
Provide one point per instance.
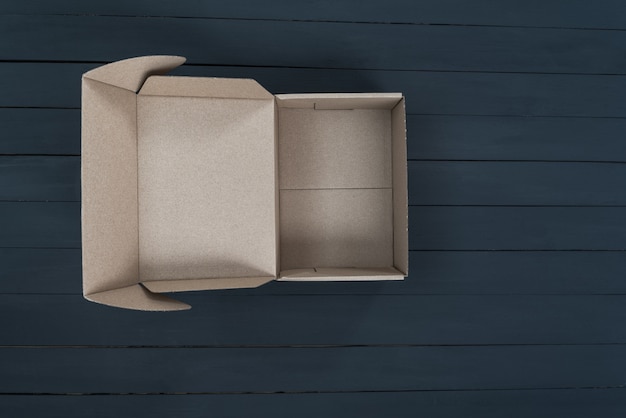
(336, 181)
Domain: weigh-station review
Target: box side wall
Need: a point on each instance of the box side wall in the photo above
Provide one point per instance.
(340, 274)
(338, 101)
(277, 187)
(333, 149)
(336, 228)
(109, 187)
(400, 189)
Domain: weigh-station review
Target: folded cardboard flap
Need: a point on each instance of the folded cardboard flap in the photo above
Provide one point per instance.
(130, 74)
(120, 152)
(109, 183)
(210, 183)
(137, 297)
(184, 285)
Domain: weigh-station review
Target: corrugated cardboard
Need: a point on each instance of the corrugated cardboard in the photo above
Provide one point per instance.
(210, 183)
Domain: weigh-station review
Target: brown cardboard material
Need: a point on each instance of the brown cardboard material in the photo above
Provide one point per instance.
(209, 183)
(336, 228)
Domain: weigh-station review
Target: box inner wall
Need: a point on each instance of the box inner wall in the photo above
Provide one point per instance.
(335, 180)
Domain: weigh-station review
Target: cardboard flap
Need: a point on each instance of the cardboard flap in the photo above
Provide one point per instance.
(340, 274)
(138, 298)
(217, 88)
(108, 187)
(178, 285)
(130, 74)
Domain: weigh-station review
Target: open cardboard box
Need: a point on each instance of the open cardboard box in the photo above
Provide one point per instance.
(212, 183)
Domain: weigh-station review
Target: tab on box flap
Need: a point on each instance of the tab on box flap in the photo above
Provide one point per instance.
(130, 74)
(178, 285)
(224, 88)
(137, 297)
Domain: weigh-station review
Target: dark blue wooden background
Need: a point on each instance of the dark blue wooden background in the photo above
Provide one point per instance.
(516, 303)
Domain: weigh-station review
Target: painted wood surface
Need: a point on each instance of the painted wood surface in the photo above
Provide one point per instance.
(605, 14)
(316, 44)
(158, 370)
(540, 403)
(515, 302)
(291, 320)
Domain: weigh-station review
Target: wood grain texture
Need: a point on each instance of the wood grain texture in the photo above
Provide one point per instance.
(288, 320)
(517, 228)
(516, 183)
(318, 44)
(47, 270)
(58, 271)
(40, 224)
(57, 85)
(40, 131)
(38, 178)
(539, 403)
(224, 370)
(562, 13)
(457, 137)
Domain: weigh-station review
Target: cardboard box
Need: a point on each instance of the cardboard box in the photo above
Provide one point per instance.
(211, 183)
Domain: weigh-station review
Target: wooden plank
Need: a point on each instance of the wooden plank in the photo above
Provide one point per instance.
(517, 228)
(561, 13)
(516, 183)
(226, 319)
(456, 137)
(538, 403)
(57, 225)
(58, 271)
(431, 137)
(39, 178)
(40, 224)
(40, 270)
(316, 44)
(56, 85)
(55, 178)
(224, 370)
(40, 131)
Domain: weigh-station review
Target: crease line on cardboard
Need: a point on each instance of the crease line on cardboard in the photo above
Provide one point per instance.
(138, 178)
